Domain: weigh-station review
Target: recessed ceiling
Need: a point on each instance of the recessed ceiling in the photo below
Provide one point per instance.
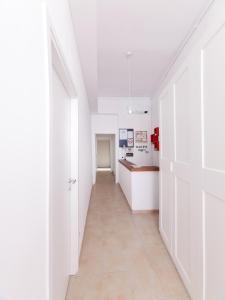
(152, 29)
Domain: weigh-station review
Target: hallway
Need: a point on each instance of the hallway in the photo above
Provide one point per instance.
(123, 256)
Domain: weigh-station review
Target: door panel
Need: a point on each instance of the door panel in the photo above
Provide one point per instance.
(214, 240)
(181, 171)
(166, 156)
(213, 164)
(166, 207)
(166, 109)
(182, 120)
(60, 193)
(182, 227)
(213, 66)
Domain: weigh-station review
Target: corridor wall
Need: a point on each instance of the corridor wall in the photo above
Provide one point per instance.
(24, 122)
(137, 121)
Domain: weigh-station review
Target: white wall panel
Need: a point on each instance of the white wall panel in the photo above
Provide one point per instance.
(214, 222)
(166, 110)
(166, 156)
(165, 207)
(182, 227)
(213, 68)
(182, 118)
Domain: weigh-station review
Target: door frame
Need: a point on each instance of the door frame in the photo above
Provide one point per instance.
(94, 154)
(56, 59)
(107, 138)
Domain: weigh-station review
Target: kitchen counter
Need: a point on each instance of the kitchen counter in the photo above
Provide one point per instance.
(135, 168)
(140, 186)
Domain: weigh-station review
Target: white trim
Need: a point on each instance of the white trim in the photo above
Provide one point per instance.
(48, 99)
(52, 45)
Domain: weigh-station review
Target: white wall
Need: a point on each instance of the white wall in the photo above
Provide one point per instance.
(23, 174)
(192, 163)
(84, 13)
(139, 122)
(24, 143)
(61, 18)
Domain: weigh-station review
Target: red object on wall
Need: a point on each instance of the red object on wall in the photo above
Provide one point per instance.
(156, 145)
(152, 138)
(156, 131)
(155, 138)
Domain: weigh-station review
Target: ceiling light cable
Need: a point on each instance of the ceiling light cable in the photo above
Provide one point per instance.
(129, 73)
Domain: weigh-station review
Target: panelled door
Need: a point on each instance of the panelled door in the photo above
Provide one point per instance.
(192, 162)
(213, 159)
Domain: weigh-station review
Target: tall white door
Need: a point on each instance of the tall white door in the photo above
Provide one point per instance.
(192, 161)
(213, 158)
(60, 188)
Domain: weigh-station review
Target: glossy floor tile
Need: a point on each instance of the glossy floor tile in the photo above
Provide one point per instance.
(123, 256)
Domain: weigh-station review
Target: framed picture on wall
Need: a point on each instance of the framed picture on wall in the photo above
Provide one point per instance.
(123, 134)
(126, 137)
(130, 138)
(141, 137)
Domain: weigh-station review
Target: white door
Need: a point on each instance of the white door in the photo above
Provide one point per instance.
(60, 188)
(213, 158)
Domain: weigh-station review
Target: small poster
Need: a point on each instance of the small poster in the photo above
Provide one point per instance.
(130, 138)
(130, 134)
(123, 134)
(141, 137)
(130, 142)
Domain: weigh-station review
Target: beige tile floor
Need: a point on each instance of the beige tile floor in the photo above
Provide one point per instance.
(123, 256)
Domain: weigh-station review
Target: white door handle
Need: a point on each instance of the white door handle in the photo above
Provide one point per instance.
(72, 181)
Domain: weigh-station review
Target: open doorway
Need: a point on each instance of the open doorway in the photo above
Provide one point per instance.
(105, 153)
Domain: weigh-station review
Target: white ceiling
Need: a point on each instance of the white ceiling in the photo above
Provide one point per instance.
(152, 29)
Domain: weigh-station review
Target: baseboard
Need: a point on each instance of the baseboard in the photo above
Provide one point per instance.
(145, 211)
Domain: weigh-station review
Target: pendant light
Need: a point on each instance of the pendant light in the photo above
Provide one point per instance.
(129, 55)
(130, 107)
